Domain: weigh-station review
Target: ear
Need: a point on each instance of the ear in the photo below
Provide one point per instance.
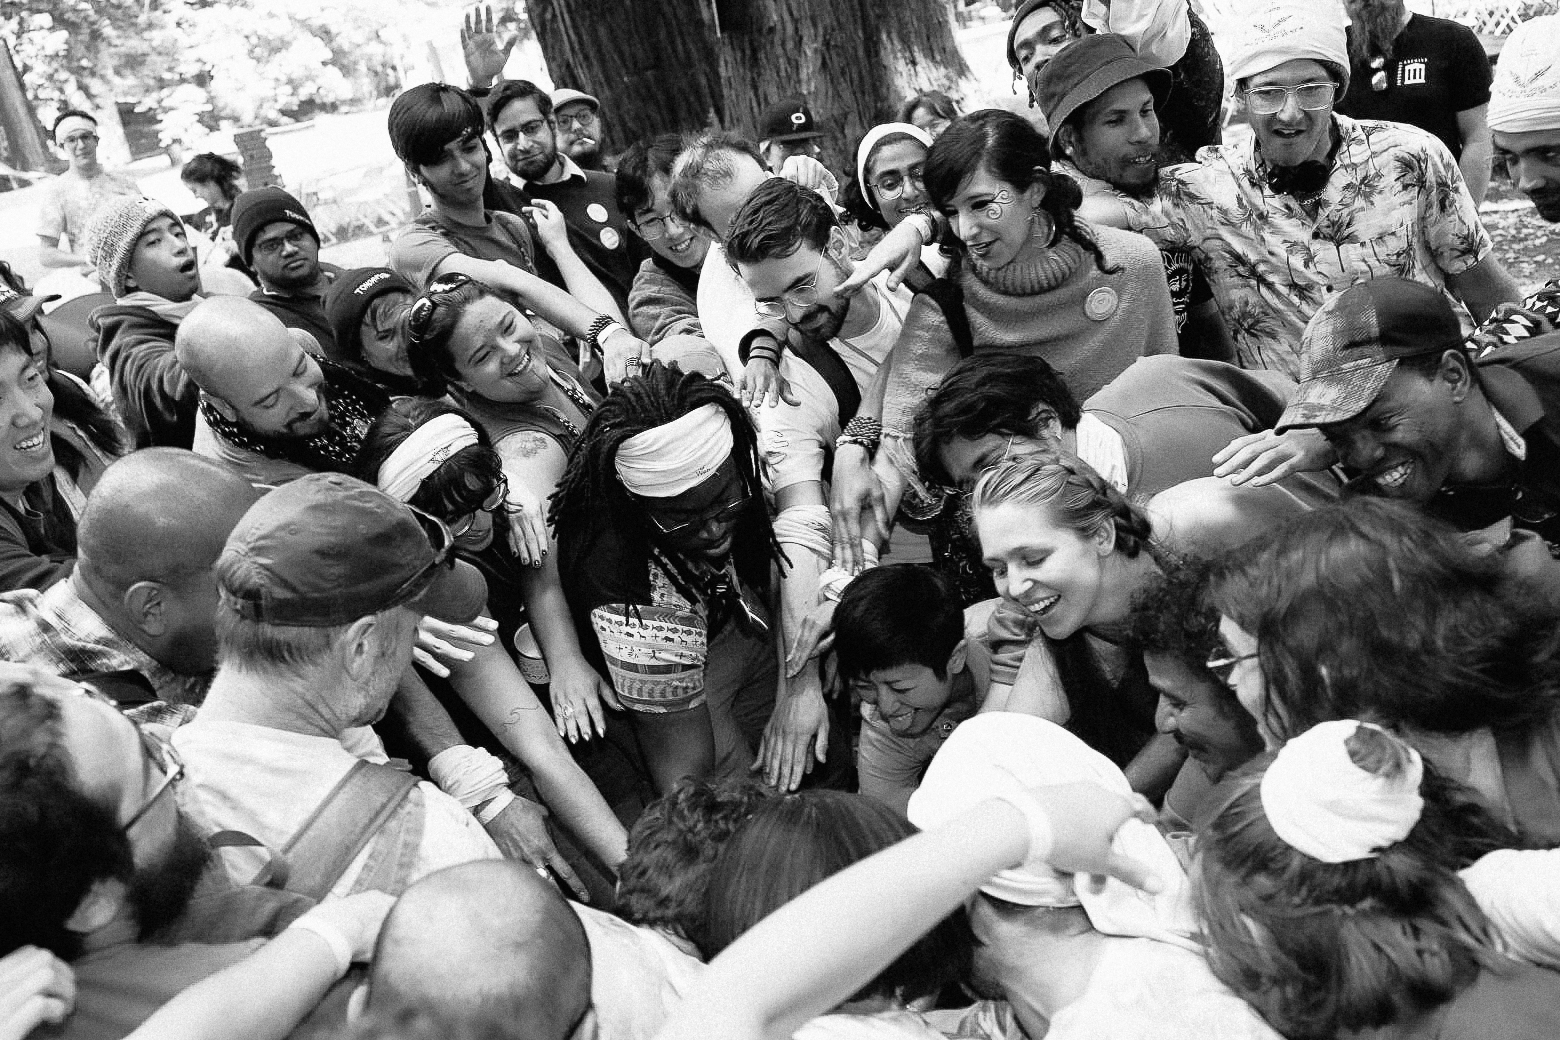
(224, 409)
(1104, 538)
(959, 658)
(305, 340)
(146, 603)
(1068, 138)
(1036, 192)
(1456, 371)
(360, 647)
(98, 907)
(1047, 423)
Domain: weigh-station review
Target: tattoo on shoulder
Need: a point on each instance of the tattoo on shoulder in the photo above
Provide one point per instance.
(526, 445)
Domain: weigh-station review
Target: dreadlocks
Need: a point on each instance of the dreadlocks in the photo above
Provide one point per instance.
(590, 494)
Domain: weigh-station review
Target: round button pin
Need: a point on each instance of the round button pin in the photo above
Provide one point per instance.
(609, 238)
(597, 212)
(1101, 304)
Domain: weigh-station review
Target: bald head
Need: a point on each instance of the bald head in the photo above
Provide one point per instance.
(488, 941)
(256, 370)
(158, 515)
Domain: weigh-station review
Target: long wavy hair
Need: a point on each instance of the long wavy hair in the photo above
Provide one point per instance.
(1323, 948)
(1371, 609)
(1009, 148)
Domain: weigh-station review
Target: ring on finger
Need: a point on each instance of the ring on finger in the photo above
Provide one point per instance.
(567, 711)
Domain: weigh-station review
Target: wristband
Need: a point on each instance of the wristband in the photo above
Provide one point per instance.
(863, 430)
(764, 350)
(1041, 836)
(469, 775)
(340, 946)
(599, 328)
(488, 811)
(928, 231)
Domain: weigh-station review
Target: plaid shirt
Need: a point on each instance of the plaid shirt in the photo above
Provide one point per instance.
(1395, 204)
(56, 630)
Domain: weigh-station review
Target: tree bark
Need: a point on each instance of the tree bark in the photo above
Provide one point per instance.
(670, 65)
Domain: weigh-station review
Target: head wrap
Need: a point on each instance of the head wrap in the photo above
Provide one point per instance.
(70, 124)
(1324, 805)
(678, 456)
(1288, 30)
(871, 141)
(112, 233)
(425, 449)
(1526, 93)
(996, 751)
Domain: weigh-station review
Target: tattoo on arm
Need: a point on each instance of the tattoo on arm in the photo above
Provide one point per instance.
(526, 445)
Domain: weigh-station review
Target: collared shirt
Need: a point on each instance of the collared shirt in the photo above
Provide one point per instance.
(57, 630)
(571, 171)
(1395, 204)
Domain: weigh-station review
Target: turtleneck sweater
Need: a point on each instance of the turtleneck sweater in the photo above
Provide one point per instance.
(1090, 324)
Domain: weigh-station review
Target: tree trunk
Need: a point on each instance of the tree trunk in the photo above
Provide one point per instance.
(668, 65)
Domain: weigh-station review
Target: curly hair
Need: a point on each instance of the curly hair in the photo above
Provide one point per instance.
(590, 496)
(1323, 949)
(1371, 609)
(1009, 148)
(461, 483)
(672, 846)
(792, 843)
(985, 393)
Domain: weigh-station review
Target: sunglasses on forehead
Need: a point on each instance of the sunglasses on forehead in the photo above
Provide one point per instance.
(420, 316)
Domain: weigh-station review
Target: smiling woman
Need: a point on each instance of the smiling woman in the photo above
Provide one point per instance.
(37, 530)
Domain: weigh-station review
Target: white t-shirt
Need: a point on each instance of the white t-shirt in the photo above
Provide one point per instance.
(268, 782)
(797, 438)
(637, 977)
(726, 308)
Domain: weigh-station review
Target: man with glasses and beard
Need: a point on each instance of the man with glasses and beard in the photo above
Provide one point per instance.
(1427, 72)
(1315, 202)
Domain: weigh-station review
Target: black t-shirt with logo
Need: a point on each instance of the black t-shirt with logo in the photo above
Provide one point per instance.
(1438, 69)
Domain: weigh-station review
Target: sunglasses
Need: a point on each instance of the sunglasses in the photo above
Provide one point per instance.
(162, 755)
(423, 308)
(1222, 663)
(461, 524)
(725, 514)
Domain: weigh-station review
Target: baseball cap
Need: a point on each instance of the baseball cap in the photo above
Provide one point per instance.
(327, 549)
(568, 96)
(16, 298)
(1087, 68)
(788, 120)
(1353, 344)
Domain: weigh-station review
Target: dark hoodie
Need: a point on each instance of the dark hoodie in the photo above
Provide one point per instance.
(156, 397)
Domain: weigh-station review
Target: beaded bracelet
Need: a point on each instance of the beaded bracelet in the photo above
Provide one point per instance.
(863, 430)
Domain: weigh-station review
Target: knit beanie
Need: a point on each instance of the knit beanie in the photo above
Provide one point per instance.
(348, 298)
(112, 233)
(255, 209)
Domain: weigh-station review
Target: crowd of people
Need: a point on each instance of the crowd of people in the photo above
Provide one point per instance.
(525, 639)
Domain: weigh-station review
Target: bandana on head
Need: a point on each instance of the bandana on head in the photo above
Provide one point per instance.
(678, 456)
(73, 124)
(998, 751)
(870, 141)
(1322, 804)
(1288, 30)
(425, 449)
(1526, 94)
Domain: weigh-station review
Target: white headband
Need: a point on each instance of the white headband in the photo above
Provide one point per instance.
(424, 450)
(1287, 30)
(869, 142)
(70, 124)
(1526, 93)
(997, 751)
(674, 458)
(1324, 805)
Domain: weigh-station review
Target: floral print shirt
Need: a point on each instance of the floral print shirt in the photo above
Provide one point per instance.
(1395, 204)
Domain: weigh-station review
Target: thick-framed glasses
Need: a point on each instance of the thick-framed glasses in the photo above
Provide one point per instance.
(1265, 101)
(294, 237)
(725, 514)
(442, 540)
(1378, 74)
(79, 138)
(659, 226)
(892, 185)
(422, 310)
(162, 755)
(577, 122)
(461, 524)
(1222, 663)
